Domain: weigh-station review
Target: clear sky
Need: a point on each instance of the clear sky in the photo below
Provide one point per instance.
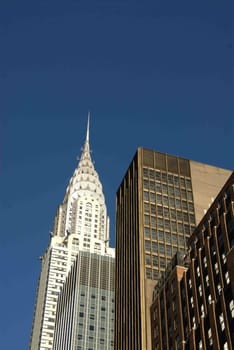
(156, 74)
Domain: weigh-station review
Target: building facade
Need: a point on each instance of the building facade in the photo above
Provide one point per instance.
(158, 204)
(81, 224)
(85, 309)
(193, 303)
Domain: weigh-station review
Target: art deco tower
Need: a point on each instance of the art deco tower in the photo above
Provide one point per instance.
(81, 225)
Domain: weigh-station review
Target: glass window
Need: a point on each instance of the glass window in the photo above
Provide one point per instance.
(148, 272)
(158, 187)
(152, 197)
(231, 307)
(190, 195)
(185, 217)
(147, 245)
(173, 226)
(164, 177)
(168, 237)
(155, 274)
(179, 215)
(153, 221)
(145, 172)
(146, 219)
(165, 200)
(183, 193)
(171, 191)
(153, 233)
(159, 199)
(147, 259)
(160, 222)
(154, 247)
(153, 209)
(158, 175)
(191, 207)
(168, 250)
(161, 248)
(160, 235)
(173, 214)
(192, 218)
(164, 189)
(170, 178)
(182, 182)
(151, 185)
(167, 225)
(166, 212)
(162, 263)
(159, 210)
(151, 173)
(146, 195)
(155, 260)
(146, 184)
(147, 232)
(146, 207)
(221, 321)
(172, 202)
(187, 229)
(176, 180)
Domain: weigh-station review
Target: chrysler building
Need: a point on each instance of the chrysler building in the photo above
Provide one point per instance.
(81, 228)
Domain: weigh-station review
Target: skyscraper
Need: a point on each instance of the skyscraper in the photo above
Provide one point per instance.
(193, 303)
(158, 204)
(85, 309)
(81, 225)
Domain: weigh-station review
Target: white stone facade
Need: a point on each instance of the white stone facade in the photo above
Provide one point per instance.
(81, 224)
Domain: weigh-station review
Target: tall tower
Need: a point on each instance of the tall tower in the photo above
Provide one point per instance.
(158, 204)
(81, 225)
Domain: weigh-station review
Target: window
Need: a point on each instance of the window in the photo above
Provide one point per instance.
(147, 245)
(161, 248)
(147, 232)
(155, 260)
(210, 337)
(168, 250)
(148, 273)
(160, 235)
(221, 321)
(227, 278)
(231, 307)
(147, 259)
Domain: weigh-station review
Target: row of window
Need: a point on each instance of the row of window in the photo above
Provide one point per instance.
(167, 178)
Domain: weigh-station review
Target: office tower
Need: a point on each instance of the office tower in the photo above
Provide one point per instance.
(158, 204)
(85, 309)
(193, 306)
(81, 224)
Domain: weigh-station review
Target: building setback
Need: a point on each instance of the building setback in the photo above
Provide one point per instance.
(81, 225)
(193, 306)
(158, 204)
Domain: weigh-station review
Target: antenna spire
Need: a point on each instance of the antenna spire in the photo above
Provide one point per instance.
(87, 132)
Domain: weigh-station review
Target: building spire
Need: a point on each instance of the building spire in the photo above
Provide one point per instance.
(87, 132)
(86, 149)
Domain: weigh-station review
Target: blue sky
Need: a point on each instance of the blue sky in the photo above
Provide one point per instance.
(156, 74)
